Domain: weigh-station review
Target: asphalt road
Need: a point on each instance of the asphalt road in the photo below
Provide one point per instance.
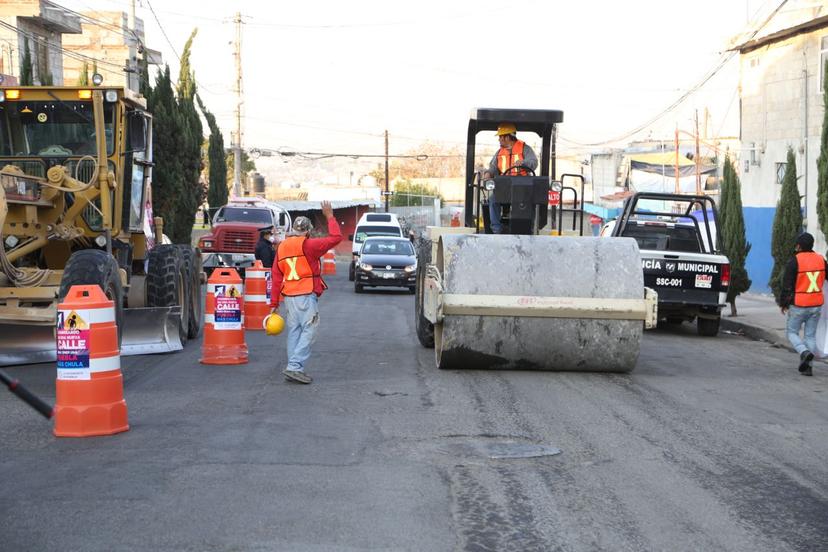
(711, 444)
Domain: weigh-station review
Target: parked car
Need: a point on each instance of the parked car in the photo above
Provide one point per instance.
(372, 224)
(386, 261)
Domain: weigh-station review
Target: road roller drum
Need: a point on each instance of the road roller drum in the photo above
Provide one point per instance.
(536, 302)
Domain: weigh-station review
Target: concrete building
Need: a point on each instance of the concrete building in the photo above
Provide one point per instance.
(107, 38)
(781, 75)
(40, 25)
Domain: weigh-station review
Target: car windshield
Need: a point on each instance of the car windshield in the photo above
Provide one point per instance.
(387, 247)
(243, 214)
(365, 231)
(51, 128)
(663, 237)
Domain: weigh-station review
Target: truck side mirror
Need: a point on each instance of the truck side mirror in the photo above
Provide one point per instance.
(350, 237)
(137, 132)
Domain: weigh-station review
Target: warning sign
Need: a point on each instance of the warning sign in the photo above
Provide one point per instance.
(72, 347)
(228, 313)
(554, 197)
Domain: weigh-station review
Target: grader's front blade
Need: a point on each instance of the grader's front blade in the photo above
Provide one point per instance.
(146, 331)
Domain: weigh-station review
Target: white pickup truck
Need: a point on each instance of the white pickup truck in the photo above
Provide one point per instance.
(676, 235)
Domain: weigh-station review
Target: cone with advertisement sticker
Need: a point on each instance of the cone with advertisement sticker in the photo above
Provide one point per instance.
(224, 319)
(89, 391)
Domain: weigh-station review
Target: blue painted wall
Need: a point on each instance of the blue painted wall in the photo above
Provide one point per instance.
(758, 231)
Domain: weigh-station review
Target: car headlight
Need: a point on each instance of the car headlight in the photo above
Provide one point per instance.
(366, 266)
(410, 268)
(207, 244)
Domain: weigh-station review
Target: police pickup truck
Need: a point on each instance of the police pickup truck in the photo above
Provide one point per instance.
(676, 235)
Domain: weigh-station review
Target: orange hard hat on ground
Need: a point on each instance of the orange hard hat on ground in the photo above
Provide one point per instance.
(505, 129)
(273, 324)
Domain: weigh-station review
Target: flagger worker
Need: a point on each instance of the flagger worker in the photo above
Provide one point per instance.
(513, 157)
(802, 298)
(297, 277)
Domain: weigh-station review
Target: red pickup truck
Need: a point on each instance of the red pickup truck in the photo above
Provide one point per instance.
(235, 231)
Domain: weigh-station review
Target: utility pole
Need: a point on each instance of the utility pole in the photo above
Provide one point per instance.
(387, 192)
(133, 67)
(237, 138)
(698, 157)
(676, 168)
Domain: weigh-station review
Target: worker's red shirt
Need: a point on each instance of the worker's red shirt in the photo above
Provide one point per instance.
(313, 249)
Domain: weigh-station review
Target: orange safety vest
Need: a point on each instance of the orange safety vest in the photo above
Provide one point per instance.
(296, 270)
(507, 157)
(809, 279)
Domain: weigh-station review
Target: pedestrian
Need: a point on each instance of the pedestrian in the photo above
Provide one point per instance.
(297, 276)
(514, 158)
(801, 298)
(264, 247)
(205, 217)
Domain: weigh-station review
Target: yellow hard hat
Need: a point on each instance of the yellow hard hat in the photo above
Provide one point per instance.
(506, 128)
(273, 324)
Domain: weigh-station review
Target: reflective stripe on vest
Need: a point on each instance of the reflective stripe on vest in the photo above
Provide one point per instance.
(507, 157)
(809, 279)
(297, 274)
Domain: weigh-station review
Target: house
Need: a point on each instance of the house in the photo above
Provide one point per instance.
(107, 38)
(36, 26)
(781, 75)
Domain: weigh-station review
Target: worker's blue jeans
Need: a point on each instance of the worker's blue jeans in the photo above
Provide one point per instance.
(797, 316)
(494, 216)
(302, 321)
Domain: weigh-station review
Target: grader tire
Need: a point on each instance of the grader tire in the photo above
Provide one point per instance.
(168, 284)
(95, 267)
(192, 265)
(425, 329)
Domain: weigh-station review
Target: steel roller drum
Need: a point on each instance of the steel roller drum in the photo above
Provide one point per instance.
(531, 267)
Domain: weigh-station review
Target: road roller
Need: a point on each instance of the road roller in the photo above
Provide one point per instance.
(528, 298)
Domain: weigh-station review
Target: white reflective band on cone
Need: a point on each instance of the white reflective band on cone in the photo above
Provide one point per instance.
(106, 364)
(256, 298)
(93, 316)
(255, 274)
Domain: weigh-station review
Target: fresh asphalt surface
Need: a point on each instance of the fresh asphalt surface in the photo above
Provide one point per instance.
(711, 444)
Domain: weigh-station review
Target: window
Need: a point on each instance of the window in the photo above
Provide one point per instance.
(780, 172)
(823, 57)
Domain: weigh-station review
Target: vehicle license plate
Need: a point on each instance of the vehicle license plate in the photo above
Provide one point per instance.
(237, 258)
(388, 275)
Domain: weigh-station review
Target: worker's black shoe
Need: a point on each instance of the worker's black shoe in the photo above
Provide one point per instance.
(807, 371)
(805, 365)
(298, 377)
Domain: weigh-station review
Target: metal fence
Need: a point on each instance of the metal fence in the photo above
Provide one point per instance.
(418, 212)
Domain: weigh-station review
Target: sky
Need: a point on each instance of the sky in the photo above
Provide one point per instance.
(332, 76)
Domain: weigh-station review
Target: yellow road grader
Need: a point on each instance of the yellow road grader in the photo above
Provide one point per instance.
(76, 208)
(521, 299)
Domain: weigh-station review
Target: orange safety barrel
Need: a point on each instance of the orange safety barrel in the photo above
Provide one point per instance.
(329, 263)
(224, 319)
(90, 388)
(256, 296)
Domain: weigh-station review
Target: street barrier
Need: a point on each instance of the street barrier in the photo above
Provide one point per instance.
(89, 392)
(256, 296)
(329, 263)
(224, 319)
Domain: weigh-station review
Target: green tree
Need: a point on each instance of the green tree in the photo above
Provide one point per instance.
(248, 166)
(94, 67)
(83, 77)
(26, 77)
(822, 163)
(732, 234)
(216, 162)
(168, 173)
(412, 194)
(787, 225)
(144, 86)
(189, 149)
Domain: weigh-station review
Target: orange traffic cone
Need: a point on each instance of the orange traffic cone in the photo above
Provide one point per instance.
(256, 296)
(89, 389)
(223, 319)
(329, 263)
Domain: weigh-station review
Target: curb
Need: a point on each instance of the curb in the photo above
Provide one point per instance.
(756, 333)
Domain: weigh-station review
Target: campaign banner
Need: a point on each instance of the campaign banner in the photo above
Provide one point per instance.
(72, 347)
(228, 313)
(268, 284)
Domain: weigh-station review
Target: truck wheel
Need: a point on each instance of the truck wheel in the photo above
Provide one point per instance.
(192, 264)
(168, 284)
(708, 327)
(425, 329)
(352, 272)
(95, 267)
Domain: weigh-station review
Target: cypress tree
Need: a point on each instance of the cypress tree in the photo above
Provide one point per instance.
(189, 148)
(26, 77)
(787, 225)
(83, 78)
(217, 191)
(732, 234)
(822, 162)
(167, 137)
